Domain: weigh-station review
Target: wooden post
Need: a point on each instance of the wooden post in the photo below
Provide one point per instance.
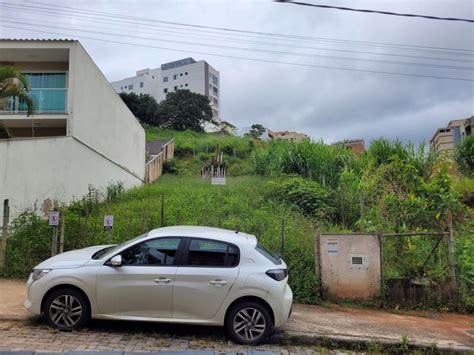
(362, 205)
(451, 262)
(282, 236)
(61, 238)
(382, 280)
(317, 267)
(54, 241)
(162, 221)
(4, 236)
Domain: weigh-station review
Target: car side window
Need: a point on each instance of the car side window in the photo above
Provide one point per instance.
(154, 252)
(204, 252)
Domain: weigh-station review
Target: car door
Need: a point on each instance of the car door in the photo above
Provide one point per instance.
(143, 285)
(205, 276)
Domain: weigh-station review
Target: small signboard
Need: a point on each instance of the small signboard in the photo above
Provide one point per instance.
(54, 218)
(218, 181)
(108, 222)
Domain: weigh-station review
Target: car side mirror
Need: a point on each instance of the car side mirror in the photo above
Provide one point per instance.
(116, 261)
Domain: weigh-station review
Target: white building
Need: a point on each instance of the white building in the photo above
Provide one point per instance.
(80, 134)
(186, 73)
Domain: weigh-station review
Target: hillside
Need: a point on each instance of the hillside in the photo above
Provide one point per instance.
(298, 186)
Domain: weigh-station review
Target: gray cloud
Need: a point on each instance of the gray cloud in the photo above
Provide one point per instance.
(323, 103)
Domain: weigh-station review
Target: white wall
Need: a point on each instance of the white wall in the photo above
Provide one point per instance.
(99, 117)
(150, 79)
(34, 170)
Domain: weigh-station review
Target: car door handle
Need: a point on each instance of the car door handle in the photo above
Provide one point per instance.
(162, 280)
(218, 282)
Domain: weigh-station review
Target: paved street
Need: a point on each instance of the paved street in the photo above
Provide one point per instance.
(125, 336)
(317, 323)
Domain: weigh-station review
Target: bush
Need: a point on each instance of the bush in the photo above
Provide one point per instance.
(464, 156)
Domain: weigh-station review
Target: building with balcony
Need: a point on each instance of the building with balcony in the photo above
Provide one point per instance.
(80, 134)
(445, 139)
(183, 74)
(357, 146)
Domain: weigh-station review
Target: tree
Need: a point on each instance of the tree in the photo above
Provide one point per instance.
(14, 83)
(464, 156)
(143, 106)
(183, 110)
(256, 131)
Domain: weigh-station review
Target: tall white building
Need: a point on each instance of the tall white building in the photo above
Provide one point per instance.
(196, 76)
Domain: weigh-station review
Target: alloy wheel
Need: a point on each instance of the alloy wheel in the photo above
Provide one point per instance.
(249, 323)
(65, 311)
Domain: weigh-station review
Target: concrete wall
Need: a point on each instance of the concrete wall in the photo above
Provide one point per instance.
(35, 172)
(99, 118)
(340, 277)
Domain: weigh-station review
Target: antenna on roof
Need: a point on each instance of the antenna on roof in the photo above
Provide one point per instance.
(237, 229)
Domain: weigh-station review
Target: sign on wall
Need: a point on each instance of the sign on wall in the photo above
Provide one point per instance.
(108, 222)
(54, 218)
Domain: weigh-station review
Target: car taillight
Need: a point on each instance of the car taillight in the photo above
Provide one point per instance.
(277, 274)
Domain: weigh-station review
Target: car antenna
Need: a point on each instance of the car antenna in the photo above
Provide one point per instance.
(237, 229)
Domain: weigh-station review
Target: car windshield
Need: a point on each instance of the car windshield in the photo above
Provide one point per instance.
(110, 250)
(273, 257)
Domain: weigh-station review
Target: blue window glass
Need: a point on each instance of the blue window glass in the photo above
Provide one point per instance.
(48, 91)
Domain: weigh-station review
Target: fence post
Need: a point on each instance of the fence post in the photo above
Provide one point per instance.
(162, 215)
(317, 266)
(4, 237)
(451, 262)
(382, 281)
(61, 238)
(282, 236)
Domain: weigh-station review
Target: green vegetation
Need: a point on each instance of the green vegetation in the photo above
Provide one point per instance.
(14, 83)
(181, 110)
(464, 156)
(391, 187)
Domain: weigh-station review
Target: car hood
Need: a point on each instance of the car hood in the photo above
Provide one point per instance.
(70, 259)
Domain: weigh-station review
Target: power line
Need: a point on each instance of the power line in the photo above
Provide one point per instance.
(207, 37)
(375, 11)
(243, 58)
(247, 49)
(278, 35)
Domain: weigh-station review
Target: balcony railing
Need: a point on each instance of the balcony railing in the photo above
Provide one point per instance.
(44, 100)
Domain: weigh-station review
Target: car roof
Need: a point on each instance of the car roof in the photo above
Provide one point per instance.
(226, 235)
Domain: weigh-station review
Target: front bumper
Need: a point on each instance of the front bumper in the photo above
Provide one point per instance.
(33, 297)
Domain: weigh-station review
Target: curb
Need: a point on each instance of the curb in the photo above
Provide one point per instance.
(359, 343)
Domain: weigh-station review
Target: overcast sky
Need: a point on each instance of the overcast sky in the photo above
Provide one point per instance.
(323, 103)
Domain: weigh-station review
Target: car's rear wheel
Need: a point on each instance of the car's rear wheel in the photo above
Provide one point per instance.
(66, 309)
(248, 323)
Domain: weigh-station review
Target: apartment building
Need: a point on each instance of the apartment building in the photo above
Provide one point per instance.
(80, 134)
(183, 74)
(445, 139)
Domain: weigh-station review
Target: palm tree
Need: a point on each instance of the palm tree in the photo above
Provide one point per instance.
(14, 83)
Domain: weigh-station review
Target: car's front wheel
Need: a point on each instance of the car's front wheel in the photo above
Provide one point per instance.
(248, 323)
(66, 309)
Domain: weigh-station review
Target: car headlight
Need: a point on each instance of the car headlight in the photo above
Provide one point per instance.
(39, 273)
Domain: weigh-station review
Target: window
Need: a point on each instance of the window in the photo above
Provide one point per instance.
(273, 257)
(215, 100)
(181, 74)
(153, 77)
(165, 90)
(154, 252)
(204, 252)
(130, 87)
(175, 76)
(175, 88)
(121, 88)
(181, 86)
(165, 79)
(186, 73)
(214, 89)
(185, 84)
(48, 92)
(141, 84)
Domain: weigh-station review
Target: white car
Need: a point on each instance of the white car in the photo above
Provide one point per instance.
(191, 275)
